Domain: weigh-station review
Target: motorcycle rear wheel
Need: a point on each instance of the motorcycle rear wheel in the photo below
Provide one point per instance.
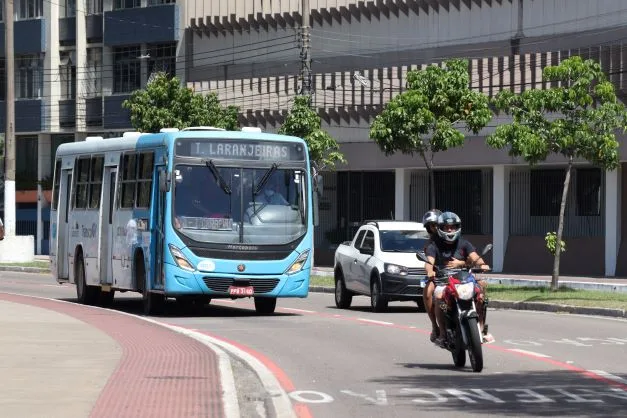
(475, 351)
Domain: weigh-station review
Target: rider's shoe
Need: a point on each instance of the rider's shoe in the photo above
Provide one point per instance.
(488, 338)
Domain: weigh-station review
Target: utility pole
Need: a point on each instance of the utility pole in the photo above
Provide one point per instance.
(9, 124)
(305, 53)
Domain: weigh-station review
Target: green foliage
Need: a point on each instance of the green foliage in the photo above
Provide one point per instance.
(165, 103)
(422, 119)
(578, 119)
(551, 243)
(303, 122)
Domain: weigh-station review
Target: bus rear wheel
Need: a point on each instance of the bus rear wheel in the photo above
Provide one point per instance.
(153, 303)
(87, 295)
(265, 305)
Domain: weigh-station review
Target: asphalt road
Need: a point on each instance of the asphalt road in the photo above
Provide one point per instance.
(353, 363)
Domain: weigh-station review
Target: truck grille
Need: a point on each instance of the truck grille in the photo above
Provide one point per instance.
(221, 284)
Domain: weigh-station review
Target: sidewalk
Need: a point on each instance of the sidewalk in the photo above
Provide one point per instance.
(67, 360)
(606, 284)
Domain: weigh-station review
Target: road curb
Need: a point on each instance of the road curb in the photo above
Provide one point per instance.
(21, 269)
(528, 306)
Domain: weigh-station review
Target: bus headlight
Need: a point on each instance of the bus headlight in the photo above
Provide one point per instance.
(299, 263)
(180, 259)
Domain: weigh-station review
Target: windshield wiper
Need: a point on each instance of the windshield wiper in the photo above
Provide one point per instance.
(216, 174)
(265, 178)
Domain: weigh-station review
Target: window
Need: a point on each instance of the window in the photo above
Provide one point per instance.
(546, 187)
(126, 69)
(93, 72)
(57, 183)
(26, 163)
(3, 80)
(158, 2)
(368, 240)
(67, 75)
(144, 180)
(129, 173)
(162, 59)
(29, 77)
(95, 182)
(82, 183)
(460, 191)
(588, 191)
(359, 238)
(93, 7)
(126, 4)
(29, 9)
(70, 8)
(2, 12)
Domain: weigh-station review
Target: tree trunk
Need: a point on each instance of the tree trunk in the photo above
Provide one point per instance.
(560, 228)
(429, 164)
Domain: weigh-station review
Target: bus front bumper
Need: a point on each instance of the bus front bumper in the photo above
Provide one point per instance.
(216, 285)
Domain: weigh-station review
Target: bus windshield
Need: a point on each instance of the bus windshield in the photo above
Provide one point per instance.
(258, 206)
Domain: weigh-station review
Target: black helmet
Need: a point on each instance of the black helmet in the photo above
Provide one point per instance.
(448, 219)
(431, 218)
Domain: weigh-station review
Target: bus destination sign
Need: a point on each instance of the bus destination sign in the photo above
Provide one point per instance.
(240, 150)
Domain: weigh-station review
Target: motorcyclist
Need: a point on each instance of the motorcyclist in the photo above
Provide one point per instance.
(430, 222)
(451, 251)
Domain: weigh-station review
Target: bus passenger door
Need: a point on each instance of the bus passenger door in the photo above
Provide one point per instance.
(106, 237)
(65, 191)
(158, 228)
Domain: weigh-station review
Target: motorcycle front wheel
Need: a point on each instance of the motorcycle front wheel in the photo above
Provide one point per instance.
(459, 352)
(475, 351)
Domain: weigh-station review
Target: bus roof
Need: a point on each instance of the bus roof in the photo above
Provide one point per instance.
(149, 140)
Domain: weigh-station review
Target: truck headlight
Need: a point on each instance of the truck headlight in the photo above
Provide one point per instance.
(395, 269)
(180, 259)
(299, 263)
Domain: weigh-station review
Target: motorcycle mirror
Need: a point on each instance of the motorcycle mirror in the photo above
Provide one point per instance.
(486, 249)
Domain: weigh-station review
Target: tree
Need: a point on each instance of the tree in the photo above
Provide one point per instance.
(303, 122)
(166, 103)
(423, 119)
(578, 120)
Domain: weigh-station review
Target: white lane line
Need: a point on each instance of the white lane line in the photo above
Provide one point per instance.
(609, 376)
(298, 310)
(373, 321)
(531, 353)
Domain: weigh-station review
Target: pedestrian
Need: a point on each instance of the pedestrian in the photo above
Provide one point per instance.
(1, 230)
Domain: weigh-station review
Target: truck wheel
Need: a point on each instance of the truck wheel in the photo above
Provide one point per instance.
(343, 297)
(378, 302)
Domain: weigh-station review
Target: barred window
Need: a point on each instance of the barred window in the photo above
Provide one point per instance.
(67, 75)
(162, 59)
(589, 191)
(126, 4)
(29, 9)
(70, 8)
(94, 7)
(159, 2)
(546, 187)
(126, 69)
(29, 76)
(93, 72)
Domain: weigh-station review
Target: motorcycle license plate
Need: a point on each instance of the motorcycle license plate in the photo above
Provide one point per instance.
(241, 290)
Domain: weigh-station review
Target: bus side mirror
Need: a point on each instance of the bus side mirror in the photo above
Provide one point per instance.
(164, 181)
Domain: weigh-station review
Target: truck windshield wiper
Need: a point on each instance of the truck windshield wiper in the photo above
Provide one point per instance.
(216, 174)
(265, 178)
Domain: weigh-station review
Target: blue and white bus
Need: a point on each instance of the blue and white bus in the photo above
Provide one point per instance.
(194, 214)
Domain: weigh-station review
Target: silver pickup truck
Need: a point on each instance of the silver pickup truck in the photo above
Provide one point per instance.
(381, 262)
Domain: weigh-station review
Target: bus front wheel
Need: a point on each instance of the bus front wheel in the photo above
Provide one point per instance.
(265, 305)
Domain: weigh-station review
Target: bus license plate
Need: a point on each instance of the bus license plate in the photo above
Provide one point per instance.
(241, 290)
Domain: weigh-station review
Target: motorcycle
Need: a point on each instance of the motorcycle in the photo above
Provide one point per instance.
(459, 301)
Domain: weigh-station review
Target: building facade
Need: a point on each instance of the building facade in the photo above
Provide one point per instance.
(249, 52)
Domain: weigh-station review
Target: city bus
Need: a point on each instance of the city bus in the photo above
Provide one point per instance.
(193, 214)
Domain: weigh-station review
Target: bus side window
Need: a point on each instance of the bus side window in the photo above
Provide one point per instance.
(128, 181)
(57, 183)
(82, 183)
(144, 179)
(95, 181)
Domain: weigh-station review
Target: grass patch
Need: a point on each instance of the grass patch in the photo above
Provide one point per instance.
(38, 264)
(563, 296)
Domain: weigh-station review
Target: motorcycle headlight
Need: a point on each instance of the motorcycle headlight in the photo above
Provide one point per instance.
(395, 269)
(465, 291)
(298, 264)
(180, 259)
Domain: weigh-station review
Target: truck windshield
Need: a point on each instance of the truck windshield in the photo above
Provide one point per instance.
(403, 241)
(225, 209)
